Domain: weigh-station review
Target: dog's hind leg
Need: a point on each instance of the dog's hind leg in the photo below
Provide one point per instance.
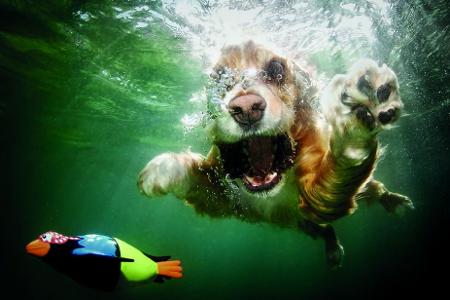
(394, 203)
(333, 249)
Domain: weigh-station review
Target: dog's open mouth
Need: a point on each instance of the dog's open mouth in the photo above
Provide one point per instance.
(259, 161)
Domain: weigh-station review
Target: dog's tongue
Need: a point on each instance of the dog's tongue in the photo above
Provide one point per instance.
(260, 156)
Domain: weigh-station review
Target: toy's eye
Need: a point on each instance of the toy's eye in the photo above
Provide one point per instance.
(46, 237)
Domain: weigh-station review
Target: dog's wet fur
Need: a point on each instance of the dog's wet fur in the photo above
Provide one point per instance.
(274, 157)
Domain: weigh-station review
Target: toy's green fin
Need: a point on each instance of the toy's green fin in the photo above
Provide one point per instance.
(124, 259)
(160, 278)
(157, 258)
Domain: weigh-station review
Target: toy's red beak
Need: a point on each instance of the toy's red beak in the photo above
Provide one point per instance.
(38, 248)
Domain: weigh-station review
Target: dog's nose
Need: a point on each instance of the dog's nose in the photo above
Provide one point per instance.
(247, 109)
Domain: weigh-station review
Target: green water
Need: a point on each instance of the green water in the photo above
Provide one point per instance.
(90, 91)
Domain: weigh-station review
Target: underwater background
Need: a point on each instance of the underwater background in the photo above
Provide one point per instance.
(92, 90)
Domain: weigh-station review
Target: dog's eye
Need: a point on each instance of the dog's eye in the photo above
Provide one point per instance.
(275, 71)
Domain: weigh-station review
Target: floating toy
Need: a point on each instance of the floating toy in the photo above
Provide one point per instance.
(99, 261)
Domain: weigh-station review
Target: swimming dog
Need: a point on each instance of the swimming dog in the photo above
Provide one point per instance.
(278, 157)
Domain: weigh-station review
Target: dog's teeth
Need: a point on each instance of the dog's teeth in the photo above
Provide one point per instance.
(249, 178)
(270, 177)
(252, 181)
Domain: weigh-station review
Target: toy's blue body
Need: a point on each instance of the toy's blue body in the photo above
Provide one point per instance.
(96, 244)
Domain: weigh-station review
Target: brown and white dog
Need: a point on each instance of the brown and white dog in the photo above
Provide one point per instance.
(275, 158)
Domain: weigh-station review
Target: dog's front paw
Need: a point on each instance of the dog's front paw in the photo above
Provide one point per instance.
(168, 173)
(367, 93)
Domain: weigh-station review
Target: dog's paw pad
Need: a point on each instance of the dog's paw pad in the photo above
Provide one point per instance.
(364, 116)
(364, 85)
(388, 116)
(383, 92)
(369, 92)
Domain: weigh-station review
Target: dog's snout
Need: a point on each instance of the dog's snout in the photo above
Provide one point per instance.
(247, 109)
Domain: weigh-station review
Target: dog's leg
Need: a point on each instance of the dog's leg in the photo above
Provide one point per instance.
(170, 173)
(333, 249)
(393, 203)
(189, 176)
(357, 106)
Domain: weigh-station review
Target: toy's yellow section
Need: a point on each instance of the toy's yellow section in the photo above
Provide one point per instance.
(143, 268)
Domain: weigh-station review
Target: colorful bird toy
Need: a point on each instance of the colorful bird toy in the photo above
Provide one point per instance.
(99, 261)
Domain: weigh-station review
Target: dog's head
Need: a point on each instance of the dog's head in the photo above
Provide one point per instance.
(254, 99)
